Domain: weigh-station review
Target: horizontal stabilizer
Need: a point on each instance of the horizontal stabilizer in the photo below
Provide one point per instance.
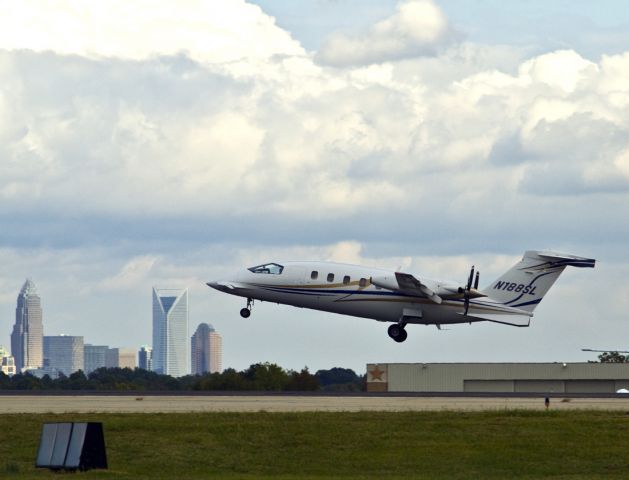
(561, 259)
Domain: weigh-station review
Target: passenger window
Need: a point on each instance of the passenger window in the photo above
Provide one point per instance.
(362, 282)
(330, 277)
(346, 280)
(314, 275)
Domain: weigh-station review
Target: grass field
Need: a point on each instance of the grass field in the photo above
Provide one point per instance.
(452, 445)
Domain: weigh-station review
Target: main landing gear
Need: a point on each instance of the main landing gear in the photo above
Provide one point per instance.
(246, 312)
(397, 332)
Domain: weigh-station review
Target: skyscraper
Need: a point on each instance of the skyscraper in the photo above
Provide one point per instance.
(27, 338)
(207, 350)
(170, 331)
(145, 358)
(63, 354)
(94, 357)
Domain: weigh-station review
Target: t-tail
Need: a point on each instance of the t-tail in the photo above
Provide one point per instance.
(525, 285)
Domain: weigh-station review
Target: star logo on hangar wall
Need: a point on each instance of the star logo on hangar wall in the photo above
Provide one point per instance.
(376, 373)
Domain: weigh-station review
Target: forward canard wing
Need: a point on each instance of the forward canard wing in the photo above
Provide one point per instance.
(407, 284)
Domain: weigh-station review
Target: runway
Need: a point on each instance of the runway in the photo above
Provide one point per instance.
(13, 404)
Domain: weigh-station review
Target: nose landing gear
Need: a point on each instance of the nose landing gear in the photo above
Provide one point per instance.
(246, 312)
(397, 332)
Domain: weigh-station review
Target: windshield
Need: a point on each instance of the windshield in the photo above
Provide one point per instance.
(271, 268)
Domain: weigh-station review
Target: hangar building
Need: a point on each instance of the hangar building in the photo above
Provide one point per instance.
(498, 377)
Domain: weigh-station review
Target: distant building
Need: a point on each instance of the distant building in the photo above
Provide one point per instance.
(28, 331)
(145, 358)
(542, 378)
(170, 331)
(206, 350)
(126, 358)
(63, 354)
(7, 362)
(7, 366)
(94, 356)
(120, 358)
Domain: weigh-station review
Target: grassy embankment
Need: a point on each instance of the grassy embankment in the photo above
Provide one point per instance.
(452, 445)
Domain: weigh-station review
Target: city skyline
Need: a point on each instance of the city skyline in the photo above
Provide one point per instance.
(65, 354)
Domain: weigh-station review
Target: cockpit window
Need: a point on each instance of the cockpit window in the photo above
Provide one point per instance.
(271, 268)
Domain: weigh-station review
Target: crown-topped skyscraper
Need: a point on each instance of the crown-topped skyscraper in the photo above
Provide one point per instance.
(170, 331)
(27, 339)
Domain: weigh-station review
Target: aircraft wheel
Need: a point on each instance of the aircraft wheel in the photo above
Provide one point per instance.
(403, 336)
(397, 332)
(245, 313)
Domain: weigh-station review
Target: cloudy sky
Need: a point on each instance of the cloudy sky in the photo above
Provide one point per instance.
(159, 143)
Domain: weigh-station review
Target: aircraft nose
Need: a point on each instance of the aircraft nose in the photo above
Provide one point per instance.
(216, 286)
(220, 286)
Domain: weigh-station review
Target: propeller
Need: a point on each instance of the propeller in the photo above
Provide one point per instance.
(468, 288)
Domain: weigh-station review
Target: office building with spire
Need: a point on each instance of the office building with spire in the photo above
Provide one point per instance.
(27, 338)
(206, 350)
(170, 331)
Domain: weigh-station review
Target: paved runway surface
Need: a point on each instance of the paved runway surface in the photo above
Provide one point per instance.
(252, 403)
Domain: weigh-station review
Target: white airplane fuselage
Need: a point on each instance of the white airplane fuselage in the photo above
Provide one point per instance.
(403, 298)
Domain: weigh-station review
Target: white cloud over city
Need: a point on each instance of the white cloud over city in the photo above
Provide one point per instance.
(171, 145)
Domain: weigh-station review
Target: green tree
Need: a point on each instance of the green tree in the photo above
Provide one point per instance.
(303, 381)
(340, 380)
(612, 357)
(266, 376)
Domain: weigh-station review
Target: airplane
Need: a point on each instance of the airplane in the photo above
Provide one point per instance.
(402, 298)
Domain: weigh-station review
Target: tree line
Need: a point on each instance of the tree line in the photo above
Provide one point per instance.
(258, 377)
(613, 357)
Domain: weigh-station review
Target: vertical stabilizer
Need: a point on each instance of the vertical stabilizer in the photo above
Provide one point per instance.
(525, 285)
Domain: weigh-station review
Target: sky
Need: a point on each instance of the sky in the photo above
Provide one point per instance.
(168, 144)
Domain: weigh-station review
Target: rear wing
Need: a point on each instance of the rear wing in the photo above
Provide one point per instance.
(527, 282)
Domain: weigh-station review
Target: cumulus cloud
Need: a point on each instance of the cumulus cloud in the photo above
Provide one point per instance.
(206, 31)
(417, 28)
(113, 154)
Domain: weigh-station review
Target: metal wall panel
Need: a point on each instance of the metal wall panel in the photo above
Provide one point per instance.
(540, 386)
(488, 386)
(590, 386)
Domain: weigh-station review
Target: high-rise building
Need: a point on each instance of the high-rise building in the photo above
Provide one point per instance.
(145, 358)
(170, 331)
(7, 362)
(28, 332)
(63, 354)
(120, 358)
(206, 350)
(94, 357)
